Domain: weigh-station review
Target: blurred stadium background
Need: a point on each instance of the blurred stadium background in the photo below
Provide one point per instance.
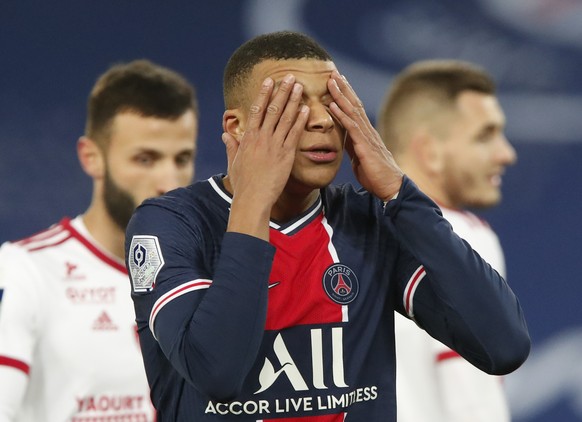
(51, 53)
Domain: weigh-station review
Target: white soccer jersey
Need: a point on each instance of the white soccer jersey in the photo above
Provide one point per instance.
(433, 383)
(68, 344)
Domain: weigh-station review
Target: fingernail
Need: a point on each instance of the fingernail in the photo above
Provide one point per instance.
(288, 78)
(267, 82)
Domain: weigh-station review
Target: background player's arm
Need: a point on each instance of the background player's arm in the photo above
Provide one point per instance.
(18, 313)
(462, 301)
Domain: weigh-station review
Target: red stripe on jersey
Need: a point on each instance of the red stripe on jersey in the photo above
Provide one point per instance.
(449, 354)
(38, 239)
(43, 235)
(296, 293)
(43, 238)
(94, 249)
(14, 363)
(174, 293)
(50, 245)
(411, 287)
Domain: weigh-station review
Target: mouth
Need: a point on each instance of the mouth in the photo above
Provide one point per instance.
(495, 180)
(320, 154)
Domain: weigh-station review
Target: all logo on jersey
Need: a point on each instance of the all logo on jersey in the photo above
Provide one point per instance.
(145, 262)
(340, 283)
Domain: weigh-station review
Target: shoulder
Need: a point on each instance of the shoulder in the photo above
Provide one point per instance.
(28, 255)
(182, 213)
(198, 196)
(462, 215)
(465, 221)
(43, 240)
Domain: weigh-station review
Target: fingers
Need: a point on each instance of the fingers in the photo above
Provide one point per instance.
(345, 92)
(292, 138)
(290, 114)
(231, 145)
(348, 105)
(257, 109)
(276, 111)
(286, 98)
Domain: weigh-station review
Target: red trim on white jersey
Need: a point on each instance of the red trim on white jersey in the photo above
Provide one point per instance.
(173, 294)
(43, 235)
(60, 233)
(410, 289)
(449, 354)
(55, 235)
(109, 260)
(15, 363)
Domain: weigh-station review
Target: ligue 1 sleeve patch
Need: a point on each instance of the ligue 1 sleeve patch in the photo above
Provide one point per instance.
(340, 283)
(145, 262)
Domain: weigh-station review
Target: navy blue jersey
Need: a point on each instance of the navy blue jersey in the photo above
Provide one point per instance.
(234, 328)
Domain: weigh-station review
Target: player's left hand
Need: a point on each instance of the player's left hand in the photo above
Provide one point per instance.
(372, 163)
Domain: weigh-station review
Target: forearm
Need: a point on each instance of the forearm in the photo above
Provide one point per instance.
(218, 347)
(464, 302)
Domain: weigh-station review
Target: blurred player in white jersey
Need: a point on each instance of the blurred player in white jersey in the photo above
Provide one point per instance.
(68, 344)
(444, 125)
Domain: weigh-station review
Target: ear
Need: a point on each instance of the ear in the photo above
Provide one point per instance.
(91, 157)
(428, 152)
(233, 123)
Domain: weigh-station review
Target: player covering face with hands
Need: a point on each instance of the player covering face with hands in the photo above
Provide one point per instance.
(269, 293)
(282, 168)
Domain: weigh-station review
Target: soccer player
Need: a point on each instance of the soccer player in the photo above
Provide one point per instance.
(269, 294)
(442, 122)
(68, 344)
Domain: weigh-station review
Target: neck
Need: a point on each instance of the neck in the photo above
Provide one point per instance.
(290, 205)
(104, 230)
(428, 184)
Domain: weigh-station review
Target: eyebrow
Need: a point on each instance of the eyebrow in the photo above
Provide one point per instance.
(142, 150)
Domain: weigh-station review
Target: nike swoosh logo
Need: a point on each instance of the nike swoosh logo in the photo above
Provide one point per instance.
(276, 283)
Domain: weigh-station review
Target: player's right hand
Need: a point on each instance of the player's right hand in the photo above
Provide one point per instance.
(260, 164)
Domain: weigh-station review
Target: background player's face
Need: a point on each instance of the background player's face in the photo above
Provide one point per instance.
(320, 149)
(147, 157)
(476, 152)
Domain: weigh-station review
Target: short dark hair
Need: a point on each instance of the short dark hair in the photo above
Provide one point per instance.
(282, 45)
(141, 87)
(436, 81)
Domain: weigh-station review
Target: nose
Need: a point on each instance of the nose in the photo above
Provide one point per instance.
(506, 154)
(320, 119)
(169, 177)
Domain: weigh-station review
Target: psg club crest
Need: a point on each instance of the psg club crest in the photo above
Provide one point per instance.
(340, 283)
(145, 262)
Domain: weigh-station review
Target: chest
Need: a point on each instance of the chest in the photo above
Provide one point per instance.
(319, 278)
(86, 321)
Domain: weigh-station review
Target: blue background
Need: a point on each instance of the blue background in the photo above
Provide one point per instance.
(52, 52)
